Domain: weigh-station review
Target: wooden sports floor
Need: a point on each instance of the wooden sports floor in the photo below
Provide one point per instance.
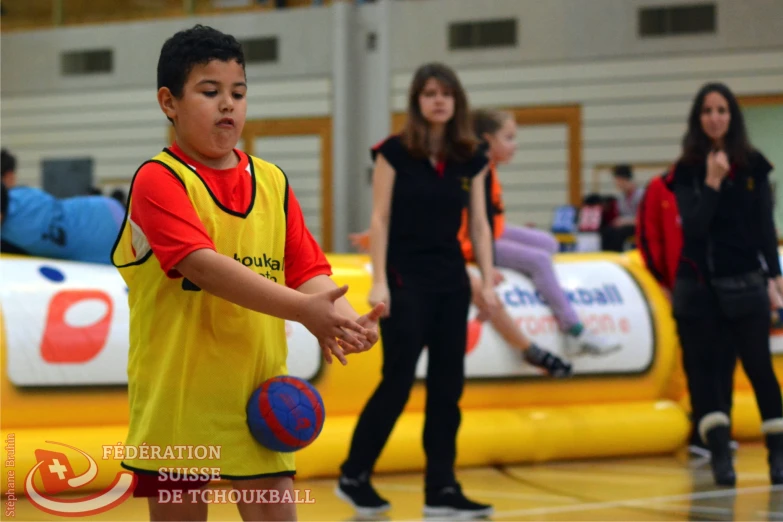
(655, 488)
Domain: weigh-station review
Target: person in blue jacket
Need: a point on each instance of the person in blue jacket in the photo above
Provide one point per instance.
(83, 228)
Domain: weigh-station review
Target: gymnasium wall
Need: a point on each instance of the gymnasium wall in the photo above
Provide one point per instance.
(115, 119)
(765, 128)
(633, 92)
(633, 110)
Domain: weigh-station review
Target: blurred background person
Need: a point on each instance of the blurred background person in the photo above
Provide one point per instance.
(617, 232)
(659, 239)
(525, 250)
(423, 179)
(720, 299)
(497, 132)
(7, 169)
(82, 228)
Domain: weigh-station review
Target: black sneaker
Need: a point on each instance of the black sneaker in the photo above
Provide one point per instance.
(696, 447)
(449, 502)
(698, 450)
(551, 363)
(361, 495)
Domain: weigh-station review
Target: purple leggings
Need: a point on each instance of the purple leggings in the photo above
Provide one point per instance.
(529, 252)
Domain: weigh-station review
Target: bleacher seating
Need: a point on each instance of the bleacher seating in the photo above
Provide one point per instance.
(29, 14)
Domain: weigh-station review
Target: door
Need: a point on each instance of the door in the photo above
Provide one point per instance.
(303, 149)
(546, 170)
(764, 121)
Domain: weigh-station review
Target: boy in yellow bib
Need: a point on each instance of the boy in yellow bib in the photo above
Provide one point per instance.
(216, 257)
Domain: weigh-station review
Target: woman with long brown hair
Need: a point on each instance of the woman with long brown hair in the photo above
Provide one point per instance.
(720, 299)
(423, 179)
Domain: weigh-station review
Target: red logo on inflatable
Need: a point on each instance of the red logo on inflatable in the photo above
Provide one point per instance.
(474, 334)
(68, 343)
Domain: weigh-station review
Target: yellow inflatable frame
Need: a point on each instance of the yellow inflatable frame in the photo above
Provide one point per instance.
(504, 421)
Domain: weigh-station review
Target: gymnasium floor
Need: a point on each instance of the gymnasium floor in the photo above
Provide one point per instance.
(659, 488)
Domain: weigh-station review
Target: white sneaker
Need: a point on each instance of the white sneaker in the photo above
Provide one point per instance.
(590, 343)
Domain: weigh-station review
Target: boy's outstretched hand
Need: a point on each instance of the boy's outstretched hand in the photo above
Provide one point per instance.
(340, 330)
(328, 325)
(369, 322)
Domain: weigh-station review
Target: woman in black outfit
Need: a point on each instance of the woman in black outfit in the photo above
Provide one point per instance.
(720, 299)
(423, 180)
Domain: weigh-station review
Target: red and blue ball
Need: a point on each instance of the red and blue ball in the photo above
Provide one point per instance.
(285, 414)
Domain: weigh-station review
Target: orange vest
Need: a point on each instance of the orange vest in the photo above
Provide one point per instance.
(497, 220)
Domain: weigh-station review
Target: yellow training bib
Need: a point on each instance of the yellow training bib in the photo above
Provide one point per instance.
(194, 358)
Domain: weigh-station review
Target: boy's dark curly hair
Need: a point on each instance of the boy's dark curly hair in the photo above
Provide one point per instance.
(195, 46)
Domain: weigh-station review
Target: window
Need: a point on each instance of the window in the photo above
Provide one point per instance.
(94, 61)
(483, 34)
(260, 50)
(677, 20)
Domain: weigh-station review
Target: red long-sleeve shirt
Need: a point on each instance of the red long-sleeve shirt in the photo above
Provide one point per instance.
(162, 209)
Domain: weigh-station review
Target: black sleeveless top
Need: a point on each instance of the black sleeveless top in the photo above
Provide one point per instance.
(426, 215)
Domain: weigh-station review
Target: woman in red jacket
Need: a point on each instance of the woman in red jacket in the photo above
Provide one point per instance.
(659, 231)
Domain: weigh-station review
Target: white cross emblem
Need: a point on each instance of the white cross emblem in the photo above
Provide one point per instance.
(58, 469)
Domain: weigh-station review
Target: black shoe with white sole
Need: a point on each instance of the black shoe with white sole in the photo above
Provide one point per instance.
(361, 495)
(698, 450)
(549, 362)
(721, 462)
(449, 502)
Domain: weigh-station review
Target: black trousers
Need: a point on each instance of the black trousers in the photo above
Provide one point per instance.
(418, 318)
(710, 347)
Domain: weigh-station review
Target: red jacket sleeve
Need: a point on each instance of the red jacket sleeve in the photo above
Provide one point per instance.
(649, 232)
(160, 207)
(304, 258)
